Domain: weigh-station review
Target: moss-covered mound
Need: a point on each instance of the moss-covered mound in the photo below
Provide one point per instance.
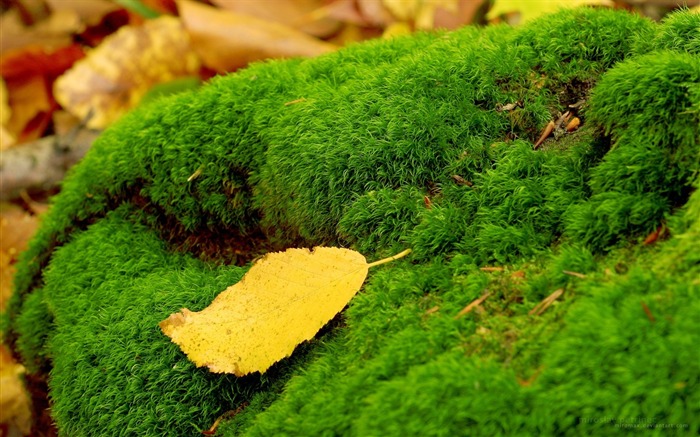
(423, 142)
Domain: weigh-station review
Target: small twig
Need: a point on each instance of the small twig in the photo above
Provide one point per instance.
(528, 382)
(646, 309)
(576, 274)
(577, 105)
(432, 310)
(658, 232)
(467, 309)
(542, 306)
(459, 180)
(491, 269)
(507, 106)
(390, 259)
(196, 174)
(294, 102)
(33, 206)
(227, 415)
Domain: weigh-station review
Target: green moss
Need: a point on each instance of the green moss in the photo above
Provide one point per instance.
(383, 145)
(654, 157)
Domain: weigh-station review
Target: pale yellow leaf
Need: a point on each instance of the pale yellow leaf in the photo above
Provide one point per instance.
(283, 300)
(530, 9)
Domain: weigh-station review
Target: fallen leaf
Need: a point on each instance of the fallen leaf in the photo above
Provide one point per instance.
(419, 12)
(530, 9)
(573, 124)
(38, 60)
(298, 14)
(15, 411)
(365, 13)
(6, 138)
(88, 11)
(283, 300)
(16, 229)
(397, 29)
(114, 76)
(32, 106)
(465, 14)
(29, 73)
(226, 41)
(94, 34)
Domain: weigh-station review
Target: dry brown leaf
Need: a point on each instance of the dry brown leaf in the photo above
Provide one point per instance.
(419, 12)
(298, 14)
(465, 13)
(364, 13)
(283, 300)
(114, 76)
(87, 11)
(15, 35)
(226, 41)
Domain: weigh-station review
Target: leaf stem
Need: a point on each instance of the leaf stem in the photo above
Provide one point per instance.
(390, 259)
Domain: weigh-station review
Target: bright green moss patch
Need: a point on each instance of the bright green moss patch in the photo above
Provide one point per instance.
(426, 142)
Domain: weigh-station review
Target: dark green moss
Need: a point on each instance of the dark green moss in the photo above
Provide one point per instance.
(379, 146)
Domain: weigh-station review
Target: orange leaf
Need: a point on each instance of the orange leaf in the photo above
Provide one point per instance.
(226, 41)
(36, 60)
(573, 124)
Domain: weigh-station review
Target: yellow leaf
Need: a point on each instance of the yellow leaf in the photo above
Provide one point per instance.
(113, 77)
(283, 300)
(529, 9)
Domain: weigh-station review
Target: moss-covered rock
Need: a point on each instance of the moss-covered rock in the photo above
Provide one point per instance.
(424, 141)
